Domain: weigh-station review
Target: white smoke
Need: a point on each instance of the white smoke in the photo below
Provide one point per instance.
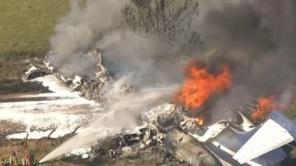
(121, 113)
(83, 26)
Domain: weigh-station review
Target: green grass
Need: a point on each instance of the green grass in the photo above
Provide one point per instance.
(291, 112)
(26, 25)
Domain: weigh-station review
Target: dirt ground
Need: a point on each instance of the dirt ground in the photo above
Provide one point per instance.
(38, 149)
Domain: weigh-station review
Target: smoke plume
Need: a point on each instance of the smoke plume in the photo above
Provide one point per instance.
(86, 22)
(100, 23)
(134, 57)
(257, 38)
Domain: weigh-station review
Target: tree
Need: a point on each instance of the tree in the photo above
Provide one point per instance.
(170, 20)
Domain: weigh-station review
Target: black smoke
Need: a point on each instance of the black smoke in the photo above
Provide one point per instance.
(257, 39)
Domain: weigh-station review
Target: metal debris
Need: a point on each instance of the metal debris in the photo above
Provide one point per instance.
(89, 85)
(167, 129)
(167, 132)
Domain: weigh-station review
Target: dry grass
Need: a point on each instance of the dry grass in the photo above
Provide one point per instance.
(39, 148)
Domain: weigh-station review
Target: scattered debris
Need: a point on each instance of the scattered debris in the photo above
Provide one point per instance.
(168, 129)
(165, 133)
(88, 85)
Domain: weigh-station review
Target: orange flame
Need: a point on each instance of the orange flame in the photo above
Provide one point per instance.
(264, 106)
(200, 85)
(200, 121)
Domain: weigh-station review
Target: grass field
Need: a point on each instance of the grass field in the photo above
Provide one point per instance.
(26, 25)
(25, 29)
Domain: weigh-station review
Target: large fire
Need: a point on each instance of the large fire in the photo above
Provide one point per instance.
(264, 106)
(200, 85)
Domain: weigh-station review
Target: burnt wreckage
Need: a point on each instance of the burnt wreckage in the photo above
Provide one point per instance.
(177, 139)
(88, 85)
(167, 136)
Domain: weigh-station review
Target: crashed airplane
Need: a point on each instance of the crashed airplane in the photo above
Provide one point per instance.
(222, 143)
(165, 134)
